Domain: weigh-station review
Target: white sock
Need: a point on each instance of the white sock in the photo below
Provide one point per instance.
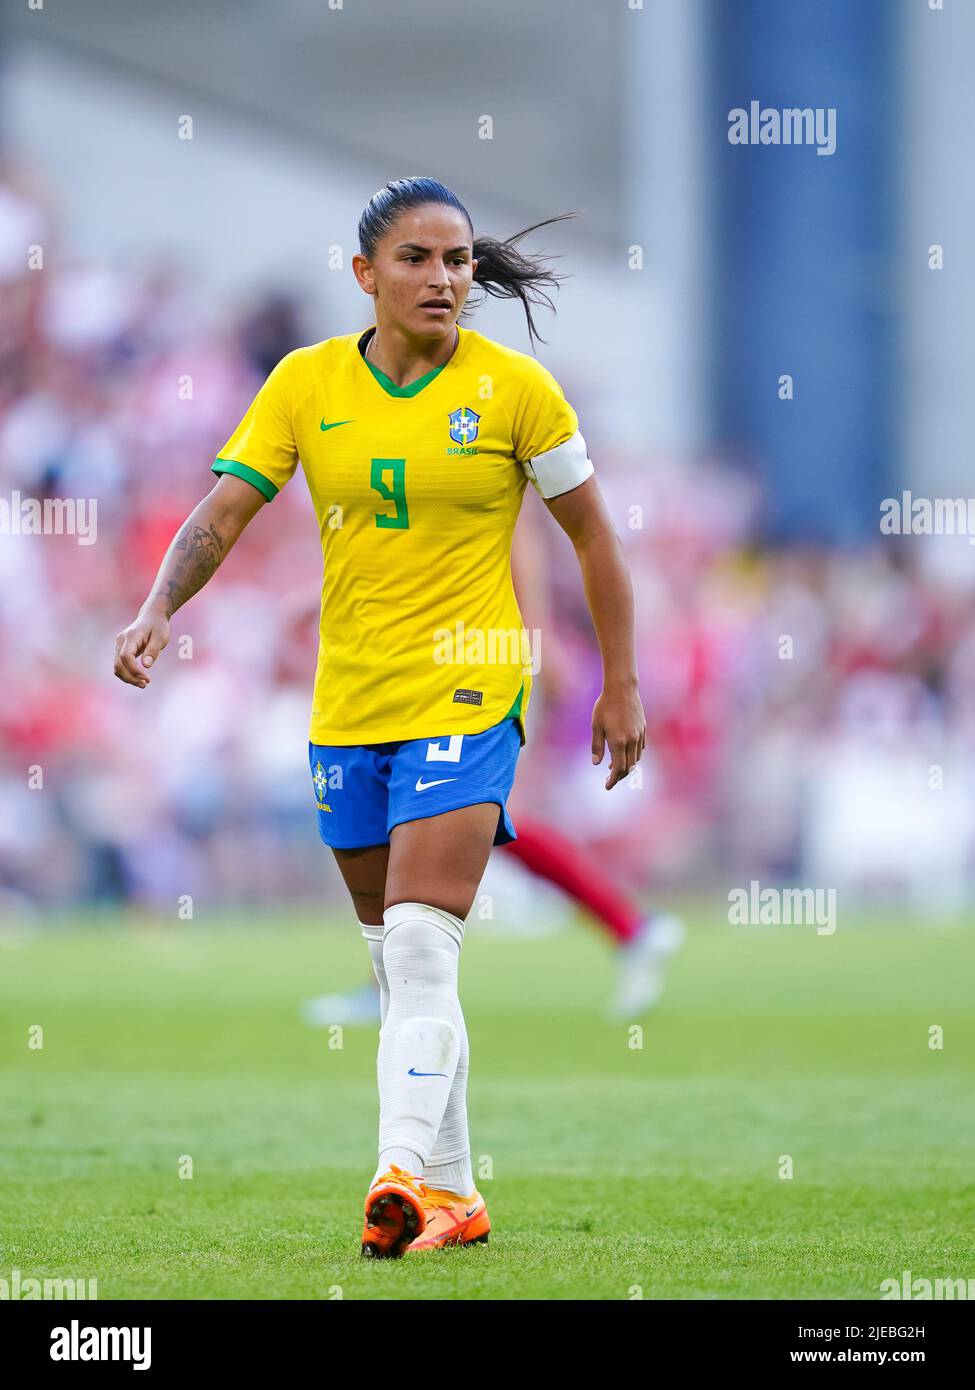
(455, 1177)
(403, 1158)
(420, 1040)
(445, 1173)
(450, 1177)
(374, 940)
(449, 1166)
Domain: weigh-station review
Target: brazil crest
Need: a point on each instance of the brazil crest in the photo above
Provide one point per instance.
(463, 425)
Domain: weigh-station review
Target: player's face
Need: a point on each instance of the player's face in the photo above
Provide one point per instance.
(422, 271)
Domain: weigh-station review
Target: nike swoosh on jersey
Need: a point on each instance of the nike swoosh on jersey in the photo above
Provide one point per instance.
(421, 786)
(411, 1072)
(335, 424)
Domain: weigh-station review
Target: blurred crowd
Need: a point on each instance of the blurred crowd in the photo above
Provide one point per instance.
(810, 712)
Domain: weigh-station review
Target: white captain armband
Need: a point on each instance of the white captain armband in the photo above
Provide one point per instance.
(561, 469)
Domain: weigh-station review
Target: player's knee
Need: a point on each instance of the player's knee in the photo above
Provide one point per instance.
(420, 959)
(416, 954)
(422, 922)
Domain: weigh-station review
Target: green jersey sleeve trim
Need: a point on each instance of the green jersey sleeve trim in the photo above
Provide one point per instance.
(249, 475)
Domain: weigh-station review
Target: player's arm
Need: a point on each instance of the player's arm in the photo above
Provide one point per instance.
(617, 718)
(197, 550)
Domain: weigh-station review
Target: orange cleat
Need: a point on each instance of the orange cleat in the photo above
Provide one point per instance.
(395, 1214)
(451, 1220)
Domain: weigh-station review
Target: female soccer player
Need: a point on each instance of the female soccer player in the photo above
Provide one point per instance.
(417, 439)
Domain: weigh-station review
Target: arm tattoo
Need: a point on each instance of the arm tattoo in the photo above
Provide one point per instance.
(195, 555)
(205, 544)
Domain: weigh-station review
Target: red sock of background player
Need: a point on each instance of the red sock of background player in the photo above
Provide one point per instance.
(552, 856)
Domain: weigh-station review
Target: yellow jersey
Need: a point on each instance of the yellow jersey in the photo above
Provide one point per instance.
(417, 490)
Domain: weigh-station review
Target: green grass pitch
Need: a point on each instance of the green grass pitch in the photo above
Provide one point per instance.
(615, 1170)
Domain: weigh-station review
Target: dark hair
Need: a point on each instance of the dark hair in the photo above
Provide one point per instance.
(501, 271)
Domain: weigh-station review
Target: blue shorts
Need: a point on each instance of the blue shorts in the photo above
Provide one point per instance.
(363, 790)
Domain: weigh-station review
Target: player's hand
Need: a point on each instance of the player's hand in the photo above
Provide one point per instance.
(138, 646)
(618, 719)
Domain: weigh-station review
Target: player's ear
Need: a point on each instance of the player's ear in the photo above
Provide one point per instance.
(363, 273)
